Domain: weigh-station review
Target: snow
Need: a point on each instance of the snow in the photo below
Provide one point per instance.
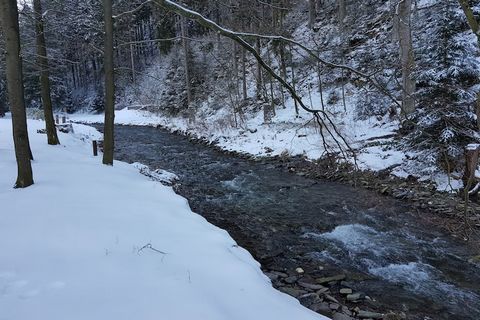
(89, 241)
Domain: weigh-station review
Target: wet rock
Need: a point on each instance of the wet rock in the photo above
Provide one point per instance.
(280, 274)
(346, 284)
(346, 311)
(272, 276)
(292, 291)
(309, 299)
(393, 316)
(354, 297)
(291, 279)
(311, 286)
(338, 277)
(323, 290)
(369, 315)
(334, 306)
(299, 271)
(322, 308)
(341, 316)
(330, 298)
(346, 291)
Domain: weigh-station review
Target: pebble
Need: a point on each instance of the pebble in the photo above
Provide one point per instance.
(331, 279)
(371, 315)
(311, 286)
(355, 297)
(323, 290)
(291, 279)
(300, 271)
(280, 274)
(334, 306)
(293, 292)
(346, 291)
(322, 308)
(330, 298)
(341, 316)
(309, 299)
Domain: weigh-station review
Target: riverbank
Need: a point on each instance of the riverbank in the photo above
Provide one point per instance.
(88, 241)
(377, 172)
(289, 221)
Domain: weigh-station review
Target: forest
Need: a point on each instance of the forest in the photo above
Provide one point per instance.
(336, 141)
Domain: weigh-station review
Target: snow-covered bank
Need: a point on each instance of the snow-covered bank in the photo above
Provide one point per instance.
(293, 136)
(94, 242)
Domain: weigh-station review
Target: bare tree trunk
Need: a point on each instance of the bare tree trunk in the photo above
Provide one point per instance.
(14, 73)
(108, 143)
(186, 54)
(407, 58)
(312, 13)
(294, 84)
(44, 75)
(259, 71)
(342, 13)
(244, 72)
(132, 60)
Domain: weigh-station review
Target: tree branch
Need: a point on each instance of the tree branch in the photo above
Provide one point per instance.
(319, 115)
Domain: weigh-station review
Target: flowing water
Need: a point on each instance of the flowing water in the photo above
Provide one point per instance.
(286, 219)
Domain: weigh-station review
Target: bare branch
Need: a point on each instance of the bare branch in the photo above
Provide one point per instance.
(319, 115)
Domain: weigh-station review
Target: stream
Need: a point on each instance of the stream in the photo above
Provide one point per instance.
(288, 221)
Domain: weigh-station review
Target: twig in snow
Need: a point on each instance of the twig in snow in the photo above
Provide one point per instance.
(149, 246)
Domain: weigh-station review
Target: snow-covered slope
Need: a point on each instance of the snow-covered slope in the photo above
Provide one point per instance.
(89, 241)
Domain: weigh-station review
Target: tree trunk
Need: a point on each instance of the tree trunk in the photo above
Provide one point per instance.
(312, 13)
(244, 73)
(294, 84)
(14, 75)
(342, 13)
(42, 59)
(472, 154)
(407, 58)
(132, 60)
(108, 139)
(186, 54)
(259, 71)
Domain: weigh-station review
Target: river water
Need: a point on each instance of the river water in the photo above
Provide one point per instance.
(286, 220)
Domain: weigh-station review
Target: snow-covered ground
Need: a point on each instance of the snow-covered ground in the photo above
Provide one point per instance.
(285, 134)
(89, 241)
(289, 135)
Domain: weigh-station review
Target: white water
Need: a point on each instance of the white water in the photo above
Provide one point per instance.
(393, 256)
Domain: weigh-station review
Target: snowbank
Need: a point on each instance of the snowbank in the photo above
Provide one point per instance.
(293, 136)
(94, 242)
(286, 133)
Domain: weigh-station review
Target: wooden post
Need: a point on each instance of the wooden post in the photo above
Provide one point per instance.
(95, 148)
(472, 154)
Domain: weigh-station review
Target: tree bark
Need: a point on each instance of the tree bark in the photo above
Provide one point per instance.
(42, 60)
(108, 143)
(259, 71)
(14, 75)
(342, 13)
(244, 74)
(312, 13)
(407, 58)
(186, 53)
(472, 154)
